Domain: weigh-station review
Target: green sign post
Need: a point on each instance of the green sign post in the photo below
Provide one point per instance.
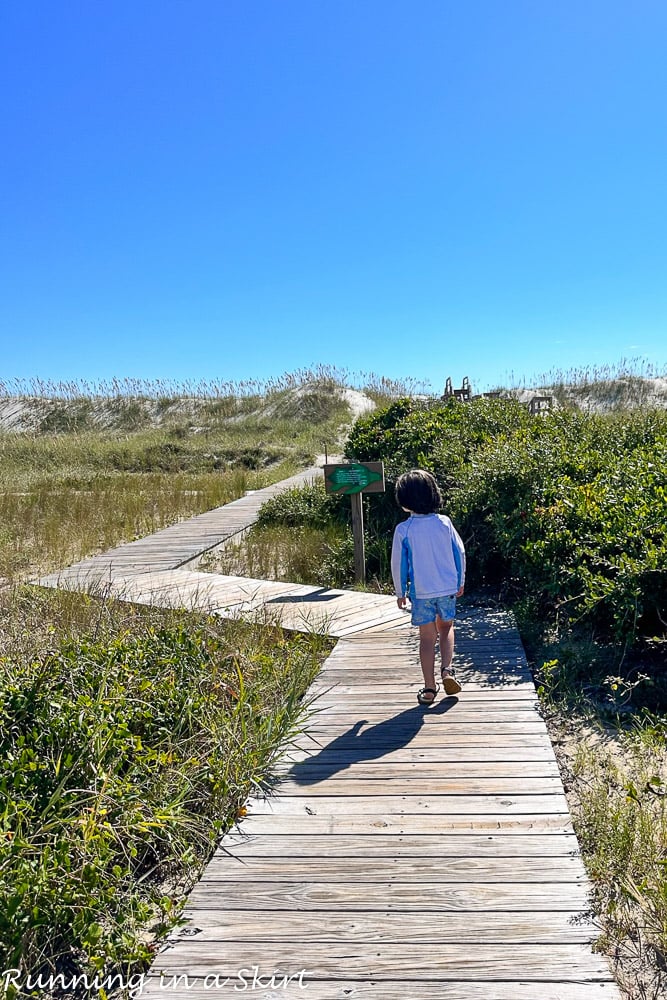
(353, 479)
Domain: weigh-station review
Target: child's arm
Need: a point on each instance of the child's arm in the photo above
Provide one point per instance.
(399, 568)
(459, 553)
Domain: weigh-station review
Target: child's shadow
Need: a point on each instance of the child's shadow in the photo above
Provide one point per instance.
(355, 745)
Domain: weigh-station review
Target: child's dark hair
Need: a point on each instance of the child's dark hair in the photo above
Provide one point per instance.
(418, 491)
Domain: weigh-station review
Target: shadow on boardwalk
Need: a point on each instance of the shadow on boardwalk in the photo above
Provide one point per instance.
(356, 744)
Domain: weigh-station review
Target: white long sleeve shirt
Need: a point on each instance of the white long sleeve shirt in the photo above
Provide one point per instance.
(427, 557)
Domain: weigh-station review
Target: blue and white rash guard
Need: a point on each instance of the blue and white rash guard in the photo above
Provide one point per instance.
(427, 557)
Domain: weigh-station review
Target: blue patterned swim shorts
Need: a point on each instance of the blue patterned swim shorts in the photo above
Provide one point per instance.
(424, 610)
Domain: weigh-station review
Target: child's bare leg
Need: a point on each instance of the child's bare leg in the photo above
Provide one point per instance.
(427, 636)
(446, 634)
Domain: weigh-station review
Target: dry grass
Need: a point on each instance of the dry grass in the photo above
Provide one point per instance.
(75, 489)
(294, 555)
(615, 781)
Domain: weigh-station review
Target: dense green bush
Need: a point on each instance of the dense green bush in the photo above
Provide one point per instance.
(443, 435)
(567, 510)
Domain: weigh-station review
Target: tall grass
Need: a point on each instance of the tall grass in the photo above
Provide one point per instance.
(169, 389)
(68, 492)
(304, 535)
(620, 814)
(49, 522)
(311, 555)
(631, 383)
(129, 739)
(325, 376)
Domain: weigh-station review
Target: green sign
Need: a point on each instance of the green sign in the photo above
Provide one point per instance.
(354, 478)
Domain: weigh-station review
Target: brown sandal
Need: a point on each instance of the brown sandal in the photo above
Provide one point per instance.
(449, 682)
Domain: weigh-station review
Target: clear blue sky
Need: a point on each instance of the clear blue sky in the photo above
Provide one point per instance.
(238, 188)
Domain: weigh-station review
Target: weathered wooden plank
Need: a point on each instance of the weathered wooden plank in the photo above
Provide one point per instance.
(383, 628)
(312, 771)
(473, 687)
(396, 869)
(393, 728)
(483, 676)
(472, 683)
(350, 608)
(449, 962)
(445, 756)
(427, 897)
(383, 742)
(444, 712)
(388, 805)
(411, 727)
(559, 927)
(384, 690)
(374, 687)
(408, 659)
(363, 645)
(502, 671)
(391, 661)
(203, 988)
(390, 618)
(383, 668)
(413, 785)
(440, 845)
(465, 639)
(408, 823)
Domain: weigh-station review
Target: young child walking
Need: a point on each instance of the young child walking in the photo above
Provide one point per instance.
(428, 565)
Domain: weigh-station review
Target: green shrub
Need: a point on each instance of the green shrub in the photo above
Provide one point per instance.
(568, 510)
(121, 760)
(436, 435)
(307, 506)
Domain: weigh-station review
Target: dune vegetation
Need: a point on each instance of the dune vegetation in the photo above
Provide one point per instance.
(131, 737)
(564, 516)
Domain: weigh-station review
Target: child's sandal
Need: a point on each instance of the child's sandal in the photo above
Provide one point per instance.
(449, 682)
(421, 695)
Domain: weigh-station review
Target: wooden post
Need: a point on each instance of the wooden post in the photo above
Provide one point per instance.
(358, 533)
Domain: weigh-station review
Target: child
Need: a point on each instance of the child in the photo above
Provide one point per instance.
(428, 565)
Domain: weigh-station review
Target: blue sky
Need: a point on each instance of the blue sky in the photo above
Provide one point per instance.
(230, 189)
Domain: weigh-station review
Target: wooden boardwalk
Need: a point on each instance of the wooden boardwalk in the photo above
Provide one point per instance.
(402, 852)
(175, 546)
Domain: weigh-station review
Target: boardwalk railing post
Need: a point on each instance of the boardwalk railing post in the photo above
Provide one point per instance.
(358, 535)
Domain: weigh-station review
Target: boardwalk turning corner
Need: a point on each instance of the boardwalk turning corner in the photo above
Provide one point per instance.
(402, 851)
